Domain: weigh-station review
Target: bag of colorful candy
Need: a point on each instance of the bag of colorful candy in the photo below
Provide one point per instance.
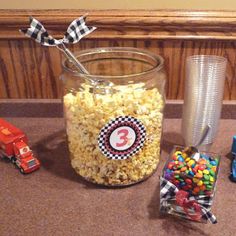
(188, 182)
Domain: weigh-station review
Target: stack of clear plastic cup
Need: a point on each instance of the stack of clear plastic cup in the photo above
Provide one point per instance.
(204, 88)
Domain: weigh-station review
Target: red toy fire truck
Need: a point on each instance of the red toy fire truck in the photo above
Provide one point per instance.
(13, 145)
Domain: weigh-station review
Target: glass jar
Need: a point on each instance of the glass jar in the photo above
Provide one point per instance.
(114, 123)
(188, 184)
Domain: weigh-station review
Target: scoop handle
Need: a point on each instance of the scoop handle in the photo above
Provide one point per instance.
(74, 60)
(76, 63)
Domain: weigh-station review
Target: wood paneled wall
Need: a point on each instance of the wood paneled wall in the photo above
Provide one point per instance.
(28, 70)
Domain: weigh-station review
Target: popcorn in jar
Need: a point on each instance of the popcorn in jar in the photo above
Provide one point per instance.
(114, 125)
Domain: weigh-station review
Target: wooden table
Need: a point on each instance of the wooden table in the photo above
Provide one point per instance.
(56, 201)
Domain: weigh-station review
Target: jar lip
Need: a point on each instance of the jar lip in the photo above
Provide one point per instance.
(157, 58)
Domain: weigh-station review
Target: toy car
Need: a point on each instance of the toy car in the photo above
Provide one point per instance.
(233, 166)
(14, 146)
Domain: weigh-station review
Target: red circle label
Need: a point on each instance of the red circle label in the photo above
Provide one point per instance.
(122, 137)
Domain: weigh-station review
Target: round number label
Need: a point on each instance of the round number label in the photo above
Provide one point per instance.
(122, 137)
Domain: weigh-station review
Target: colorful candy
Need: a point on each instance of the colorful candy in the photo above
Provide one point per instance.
(206, 176)
(202, 167)
(200, 183)
(197, 176)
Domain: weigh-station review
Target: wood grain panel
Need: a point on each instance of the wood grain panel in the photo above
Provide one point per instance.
(129, 24)
(28, 70)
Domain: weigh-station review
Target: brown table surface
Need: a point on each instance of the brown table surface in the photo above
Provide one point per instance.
(55, 201)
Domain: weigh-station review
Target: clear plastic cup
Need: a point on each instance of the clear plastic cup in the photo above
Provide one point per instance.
(204, 88)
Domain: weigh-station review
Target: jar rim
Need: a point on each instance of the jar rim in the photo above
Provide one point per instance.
(158, 59)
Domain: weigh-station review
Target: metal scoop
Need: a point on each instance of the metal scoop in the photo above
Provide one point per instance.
(193, 150)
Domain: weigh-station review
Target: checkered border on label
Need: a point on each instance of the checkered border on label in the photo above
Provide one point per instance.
(140, 131)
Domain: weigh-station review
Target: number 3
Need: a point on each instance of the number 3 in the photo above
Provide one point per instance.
(123, 137)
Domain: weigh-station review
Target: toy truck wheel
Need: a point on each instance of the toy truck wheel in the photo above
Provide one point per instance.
(13, 160)
(22, 171)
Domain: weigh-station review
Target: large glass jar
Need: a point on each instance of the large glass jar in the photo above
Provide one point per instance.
(114, 115)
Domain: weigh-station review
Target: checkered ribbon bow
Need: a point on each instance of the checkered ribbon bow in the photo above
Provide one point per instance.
(76, 31)
(169, 192)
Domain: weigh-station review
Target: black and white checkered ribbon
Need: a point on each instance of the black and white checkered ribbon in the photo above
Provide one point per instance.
(168, 192)
(76, 31)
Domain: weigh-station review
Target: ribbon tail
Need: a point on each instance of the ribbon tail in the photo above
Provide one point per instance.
(37, 32)
(77, 30)
(208, 215)
(167, 193)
